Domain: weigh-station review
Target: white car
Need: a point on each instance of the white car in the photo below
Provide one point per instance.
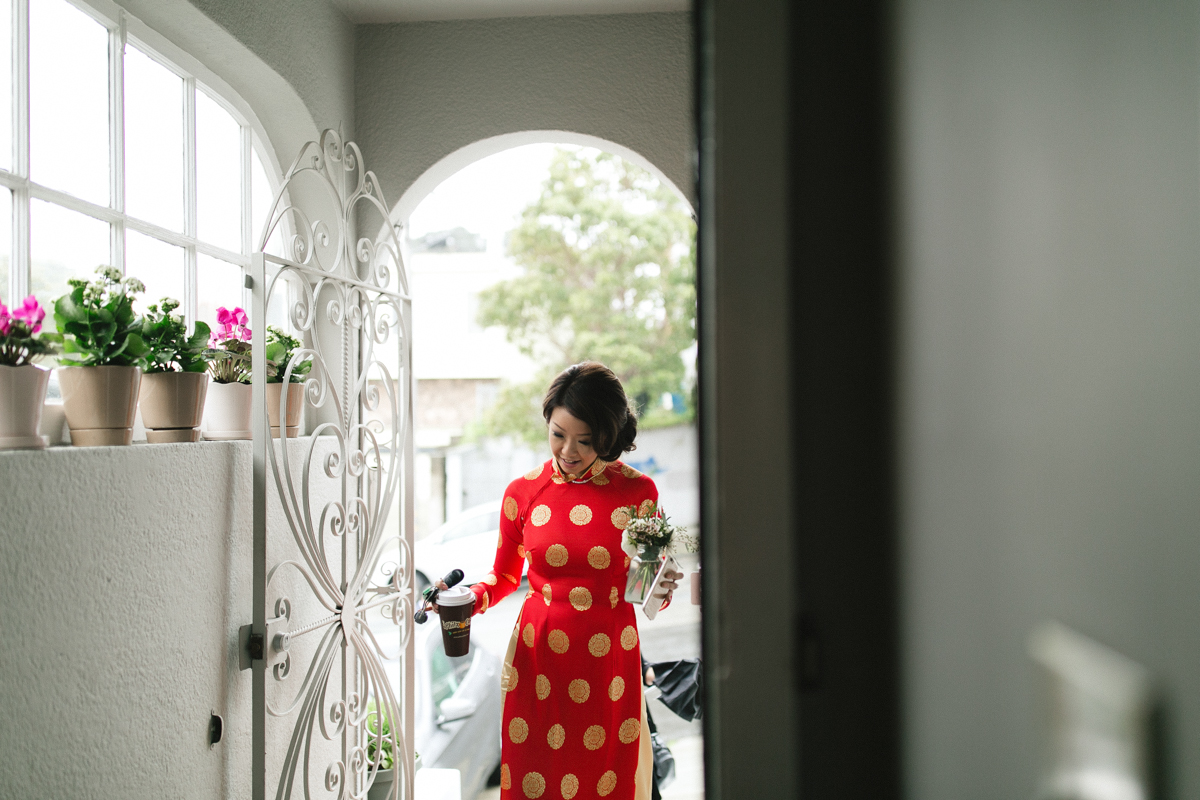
(458, 710)
(466, 542)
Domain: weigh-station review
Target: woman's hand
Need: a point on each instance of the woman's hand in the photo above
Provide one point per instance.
(670, 582)
(441, 585)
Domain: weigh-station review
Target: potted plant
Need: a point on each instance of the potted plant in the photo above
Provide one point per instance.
(228, 406)
(102, 346)
(381, 788)
(174, 382)
(281, 349)
(22, 384)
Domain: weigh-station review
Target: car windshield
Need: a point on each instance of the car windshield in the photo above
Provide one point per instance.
(446, 674)
(469, 525)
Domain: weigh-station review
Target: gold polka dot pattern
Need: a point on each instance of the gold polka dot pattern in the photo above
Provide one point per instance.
(581, 515)
(533, 784)
(490, 579)
(600, 480)
(627, 562)
(599, 558)
(620, 517)
(520, 551)
(570, 786)
(646, 508)
(511, 579)
(629, 638)
(510, 509)
(556, 736)
(518, 730)
(579, 690)
(616, 688)
(534, 473)
(500, 541)
(542, 684)
(541, 515)
(630, 730)
(606, 784)
(508, 678)
(613, 597)
(599, 644)
(559, 641)
(505, 777)
(527, 634)
(630, 472)
(581, 598)
(593, 738)
(546, 593)
(556, 555)
(483, 599)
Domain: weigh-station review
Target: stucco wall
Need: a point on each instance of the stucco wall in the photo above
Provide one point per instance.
(424, 90)
(1051, 194)
(126, 574)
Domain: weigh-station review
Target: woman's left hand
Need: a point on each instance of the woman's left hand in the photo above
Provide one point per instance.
(670, 582)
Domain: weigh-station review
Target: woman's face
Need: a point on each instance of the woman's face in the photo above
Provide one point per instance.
(570, 442)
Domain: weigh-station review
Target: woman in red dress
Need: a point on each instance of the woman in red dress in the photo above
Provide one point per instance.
(574, 723)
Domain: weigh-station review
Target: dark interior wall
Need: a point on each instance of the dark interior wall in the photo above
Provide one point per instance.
(795, 415)
(1050, 196)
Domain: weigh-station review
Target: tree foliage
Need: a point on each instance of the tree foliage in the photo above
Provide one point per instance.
(608, 258)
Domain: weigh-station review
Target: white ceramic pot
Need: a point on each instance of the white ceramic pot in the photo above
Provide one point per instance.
(100, 403)
(227, 411)
(295, 404)
(22, 393)
(172, 405)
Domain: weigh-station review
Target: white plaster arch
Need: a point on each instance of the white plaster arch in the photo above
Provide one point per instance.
(448, 165)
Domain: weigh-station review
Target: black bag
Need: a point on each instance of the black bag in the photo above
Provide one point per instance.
(664, 762)
(682, 685)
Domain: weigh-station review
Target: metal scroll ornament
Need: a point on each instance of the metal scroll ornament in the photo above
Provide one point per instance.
(333, 509)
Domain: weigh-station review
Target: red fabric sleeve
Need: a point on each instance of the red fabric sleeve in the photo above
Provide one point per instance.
(505, 576)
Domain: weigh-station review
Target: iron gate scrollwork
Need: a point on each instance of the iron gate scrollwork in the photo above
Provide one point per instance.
(333, 594)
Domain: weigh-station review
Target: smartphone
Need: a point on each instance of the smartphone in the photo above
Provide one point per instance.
(654, 600)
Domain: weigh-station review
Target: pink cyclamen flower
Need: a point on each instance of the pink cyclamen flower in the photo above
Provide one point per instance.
(5, 319)
(31, 313)
(223, 316)
(240, 318)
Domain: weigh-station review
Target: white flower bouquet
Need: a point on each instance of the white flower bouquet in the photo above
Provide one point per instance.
(649, 539)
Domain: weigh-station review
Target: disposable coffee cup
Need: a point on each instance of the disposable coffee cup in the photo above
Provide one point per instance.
(455, 606)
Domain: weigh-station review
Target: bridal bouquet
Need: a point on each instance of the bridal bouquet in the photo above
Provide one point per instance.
(649, 539)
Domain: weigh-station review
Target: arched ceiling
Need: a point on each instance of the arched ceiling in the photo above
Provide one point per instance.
(368, 11)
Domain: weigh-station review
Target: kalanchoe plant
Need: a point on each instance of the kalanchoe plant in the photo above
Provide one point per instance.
(19, 342)
(170, 347)
(280, 349)
(96, 323)
(230, 344)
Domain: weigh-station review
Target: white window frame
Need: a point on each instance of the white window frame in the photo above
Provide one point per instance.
(125, 29)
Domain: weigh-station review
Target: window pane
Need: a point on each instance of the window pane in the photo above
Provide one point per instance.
(6, 87)
(157, 264)
(218, 175)
(63, 244)
(68, 100)
(218, 283)
(6, 244)
(153, 141)
(261, 198)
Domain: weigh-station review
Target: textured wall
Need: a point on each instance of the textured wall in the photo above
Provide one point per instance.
(310, 43)
(1051, 195)
(126, 574)
(424, 90)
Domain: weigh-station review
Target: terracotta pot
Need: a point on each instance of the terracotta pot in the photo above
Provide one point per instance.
(100, 403)
(172, 405)
(22, 393)
(295, 404)
(227, 411)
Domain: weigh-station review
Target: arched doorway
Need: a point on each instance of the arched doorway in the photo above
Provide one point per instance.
(466, 471)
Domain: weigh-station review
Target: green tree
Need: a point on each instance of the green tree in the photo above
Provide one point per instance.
(608, 254)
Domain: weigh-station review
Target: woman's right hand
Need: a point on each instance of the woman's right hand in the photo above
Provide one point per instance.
(441, 585)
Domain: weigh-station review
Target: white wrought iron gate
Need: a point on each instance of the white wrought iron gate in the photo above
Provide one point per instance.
(331, 641)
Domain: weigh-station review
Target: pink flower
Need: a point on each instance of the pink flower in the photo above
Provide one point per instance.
(31, 313)
(240, 318)
(223, 316)
(5, 319)
(230, 325)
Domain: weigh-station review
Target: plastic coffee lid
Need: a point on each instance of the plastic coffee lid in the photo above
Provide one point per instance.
(455, 596)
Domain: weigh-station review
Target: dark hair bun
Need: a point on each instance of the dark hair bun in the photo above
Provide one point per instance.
(593, 394)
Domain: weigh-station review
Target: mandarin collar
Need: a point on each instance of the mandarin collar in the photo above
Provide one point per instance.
(594, 473)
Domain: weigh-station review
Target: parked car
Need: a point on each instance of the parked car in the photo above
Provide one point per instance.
(466, 542)
(457, 710)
